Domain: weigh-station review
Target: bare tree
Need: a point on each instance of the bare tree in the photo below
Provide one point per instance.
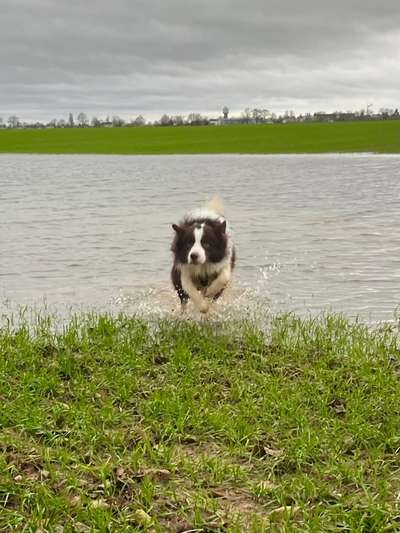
(71, 123)
(139, 121)
(225, 111)
(117, 122)
(265, 114)
(386, 112)
(257, 115)
(82, 120)
(13, 121)
(195, 119)
(61, 123)
(247, 115)
(95, 122)
(178, 120)
(166, 120)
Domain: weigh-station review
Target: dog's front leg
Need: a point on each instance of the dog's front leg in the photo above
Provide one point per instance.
(198, 299)
(219, 284)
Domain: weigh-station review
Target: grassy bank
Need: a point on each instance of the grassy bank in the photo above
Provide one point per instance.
(116, 425)
(378, 136)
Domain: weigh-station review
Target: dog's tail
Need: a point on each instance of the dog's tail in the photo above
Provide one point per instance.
(216, 205)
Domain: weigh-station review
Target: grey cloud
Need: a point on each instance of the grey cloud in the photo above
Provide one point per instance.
(155, 56)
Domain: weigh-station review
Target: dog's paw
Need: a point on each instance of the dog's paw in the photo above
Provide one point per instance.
(214, 292)
(210, 292)
(204, 307)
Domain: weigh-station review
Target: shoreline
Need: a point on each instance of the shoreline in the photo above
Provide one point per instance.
(208, 154)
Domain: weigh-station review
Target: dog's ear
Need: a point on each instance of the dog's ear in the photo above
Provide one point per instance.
(222, 226)
(177, 229)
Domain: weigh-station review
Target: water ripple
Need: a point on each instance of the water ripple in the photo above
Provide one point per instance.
(312, 232)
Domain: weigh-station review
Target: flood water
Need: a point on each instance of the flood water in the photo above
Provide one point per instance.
(313, 232)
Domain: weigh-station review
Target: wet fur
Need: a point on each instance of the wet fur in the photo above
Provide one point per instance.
(203, 282)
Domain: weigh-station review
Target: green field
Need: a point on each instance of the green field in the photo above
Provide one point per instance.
(118, 424)
(378, 136)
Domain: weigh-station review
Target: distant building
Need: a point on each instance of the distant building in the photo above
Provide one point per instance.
(325, 117)
(334, 117)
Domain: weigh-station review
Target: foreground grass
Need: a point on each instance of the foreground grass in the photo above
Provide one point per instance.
(374, 136)
(114, 424)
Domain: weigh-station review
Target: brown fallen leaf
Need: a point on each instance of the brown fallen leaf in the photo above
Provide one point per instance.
(272, 452)
(31, 473)
(75, 500)
(160, 359)
(261, 450)
(160, 474)
(337, 406)
(120, 472)
(225, 494)
(179, 526)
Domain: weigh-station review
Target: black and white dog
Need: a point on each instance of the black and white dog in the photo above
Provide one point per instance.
(204, 256)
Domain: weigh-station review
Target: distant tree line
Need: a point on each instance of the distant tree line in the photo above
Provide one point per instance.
(248, 116)
(81, 121)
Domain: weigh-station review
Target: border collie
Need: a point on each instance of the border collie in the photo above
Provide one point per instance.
(204, 256)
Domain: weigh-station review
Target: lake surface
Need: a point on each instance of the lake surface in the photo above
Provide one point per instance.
(313, 232)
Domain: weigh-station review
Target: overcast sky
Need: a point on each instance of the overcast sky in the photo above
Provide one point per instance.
(130, 57)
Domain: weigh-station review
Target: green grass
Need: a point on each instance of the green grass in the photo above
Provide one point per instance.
(117, 424)
(378, 136)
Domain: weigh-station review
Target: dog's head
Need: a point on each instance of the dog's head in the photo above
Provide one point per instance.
(199, 242)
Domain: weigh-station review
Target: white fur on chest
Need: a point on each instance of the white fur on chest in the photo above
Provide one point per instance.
(206, 269)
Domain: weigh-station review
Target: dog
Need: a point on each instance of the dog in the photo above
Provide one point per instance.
(204, 256)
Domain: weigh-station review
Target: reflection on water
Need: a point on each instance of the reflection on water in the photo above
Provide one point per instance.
(313, 232)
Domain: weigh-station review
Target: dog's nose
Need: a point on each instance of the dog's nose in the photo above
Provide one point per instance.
(194, 257)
